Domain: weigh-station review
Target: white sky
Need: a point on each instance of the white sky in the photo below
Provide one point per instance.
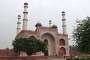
(39, 11)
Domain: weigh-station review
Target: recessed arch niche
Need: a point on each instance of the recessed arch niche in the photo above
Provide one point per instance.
(62, 51)
(61, 42)
(50, 40)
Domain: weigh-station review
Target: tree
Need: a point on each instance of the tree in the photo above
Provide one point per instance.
(82, 36)
(29, 45)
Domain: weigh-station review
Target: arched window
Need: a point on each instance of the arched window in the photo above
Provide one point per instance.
(62, 51)
(61, 42)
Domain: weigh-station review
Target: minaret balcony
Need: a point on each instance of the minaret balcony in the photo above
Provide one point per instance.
(25, 12)
(18, 22)
(63, 19)
(63, 25)
(25, 6)
(25, 19)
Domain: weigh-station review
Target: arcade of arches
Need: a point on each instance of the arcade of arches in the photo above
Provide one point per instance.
(50, 41)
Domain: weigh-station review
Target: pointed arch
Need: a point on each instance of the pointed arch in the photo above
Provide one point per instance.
(62, 51)
(49, 38)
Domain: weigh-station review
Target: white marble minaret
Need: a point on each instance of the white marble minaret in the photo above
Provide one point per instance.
(25, 17)
(64, 23)
(18, 24)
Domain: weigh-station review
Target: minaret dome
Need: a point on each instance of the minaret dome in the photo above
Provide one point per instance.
(38, 25)
(25, 3)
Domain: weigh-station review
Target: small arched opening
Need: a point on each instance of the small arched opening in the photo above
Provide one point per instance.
(61, 42)
(62, 51)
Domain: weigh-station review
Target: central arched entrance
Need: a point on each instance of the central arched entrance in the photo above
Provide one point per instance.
(49, 39)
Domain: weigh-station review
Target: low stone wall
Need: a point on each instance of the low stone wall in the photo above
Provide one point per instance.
(30, 58)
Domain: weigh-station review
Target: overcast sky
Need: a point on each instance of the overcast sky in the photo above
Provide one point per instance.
(39, 11)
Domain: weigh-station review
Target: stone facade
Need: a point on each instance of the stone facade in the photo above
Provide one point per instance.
(57, 43)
